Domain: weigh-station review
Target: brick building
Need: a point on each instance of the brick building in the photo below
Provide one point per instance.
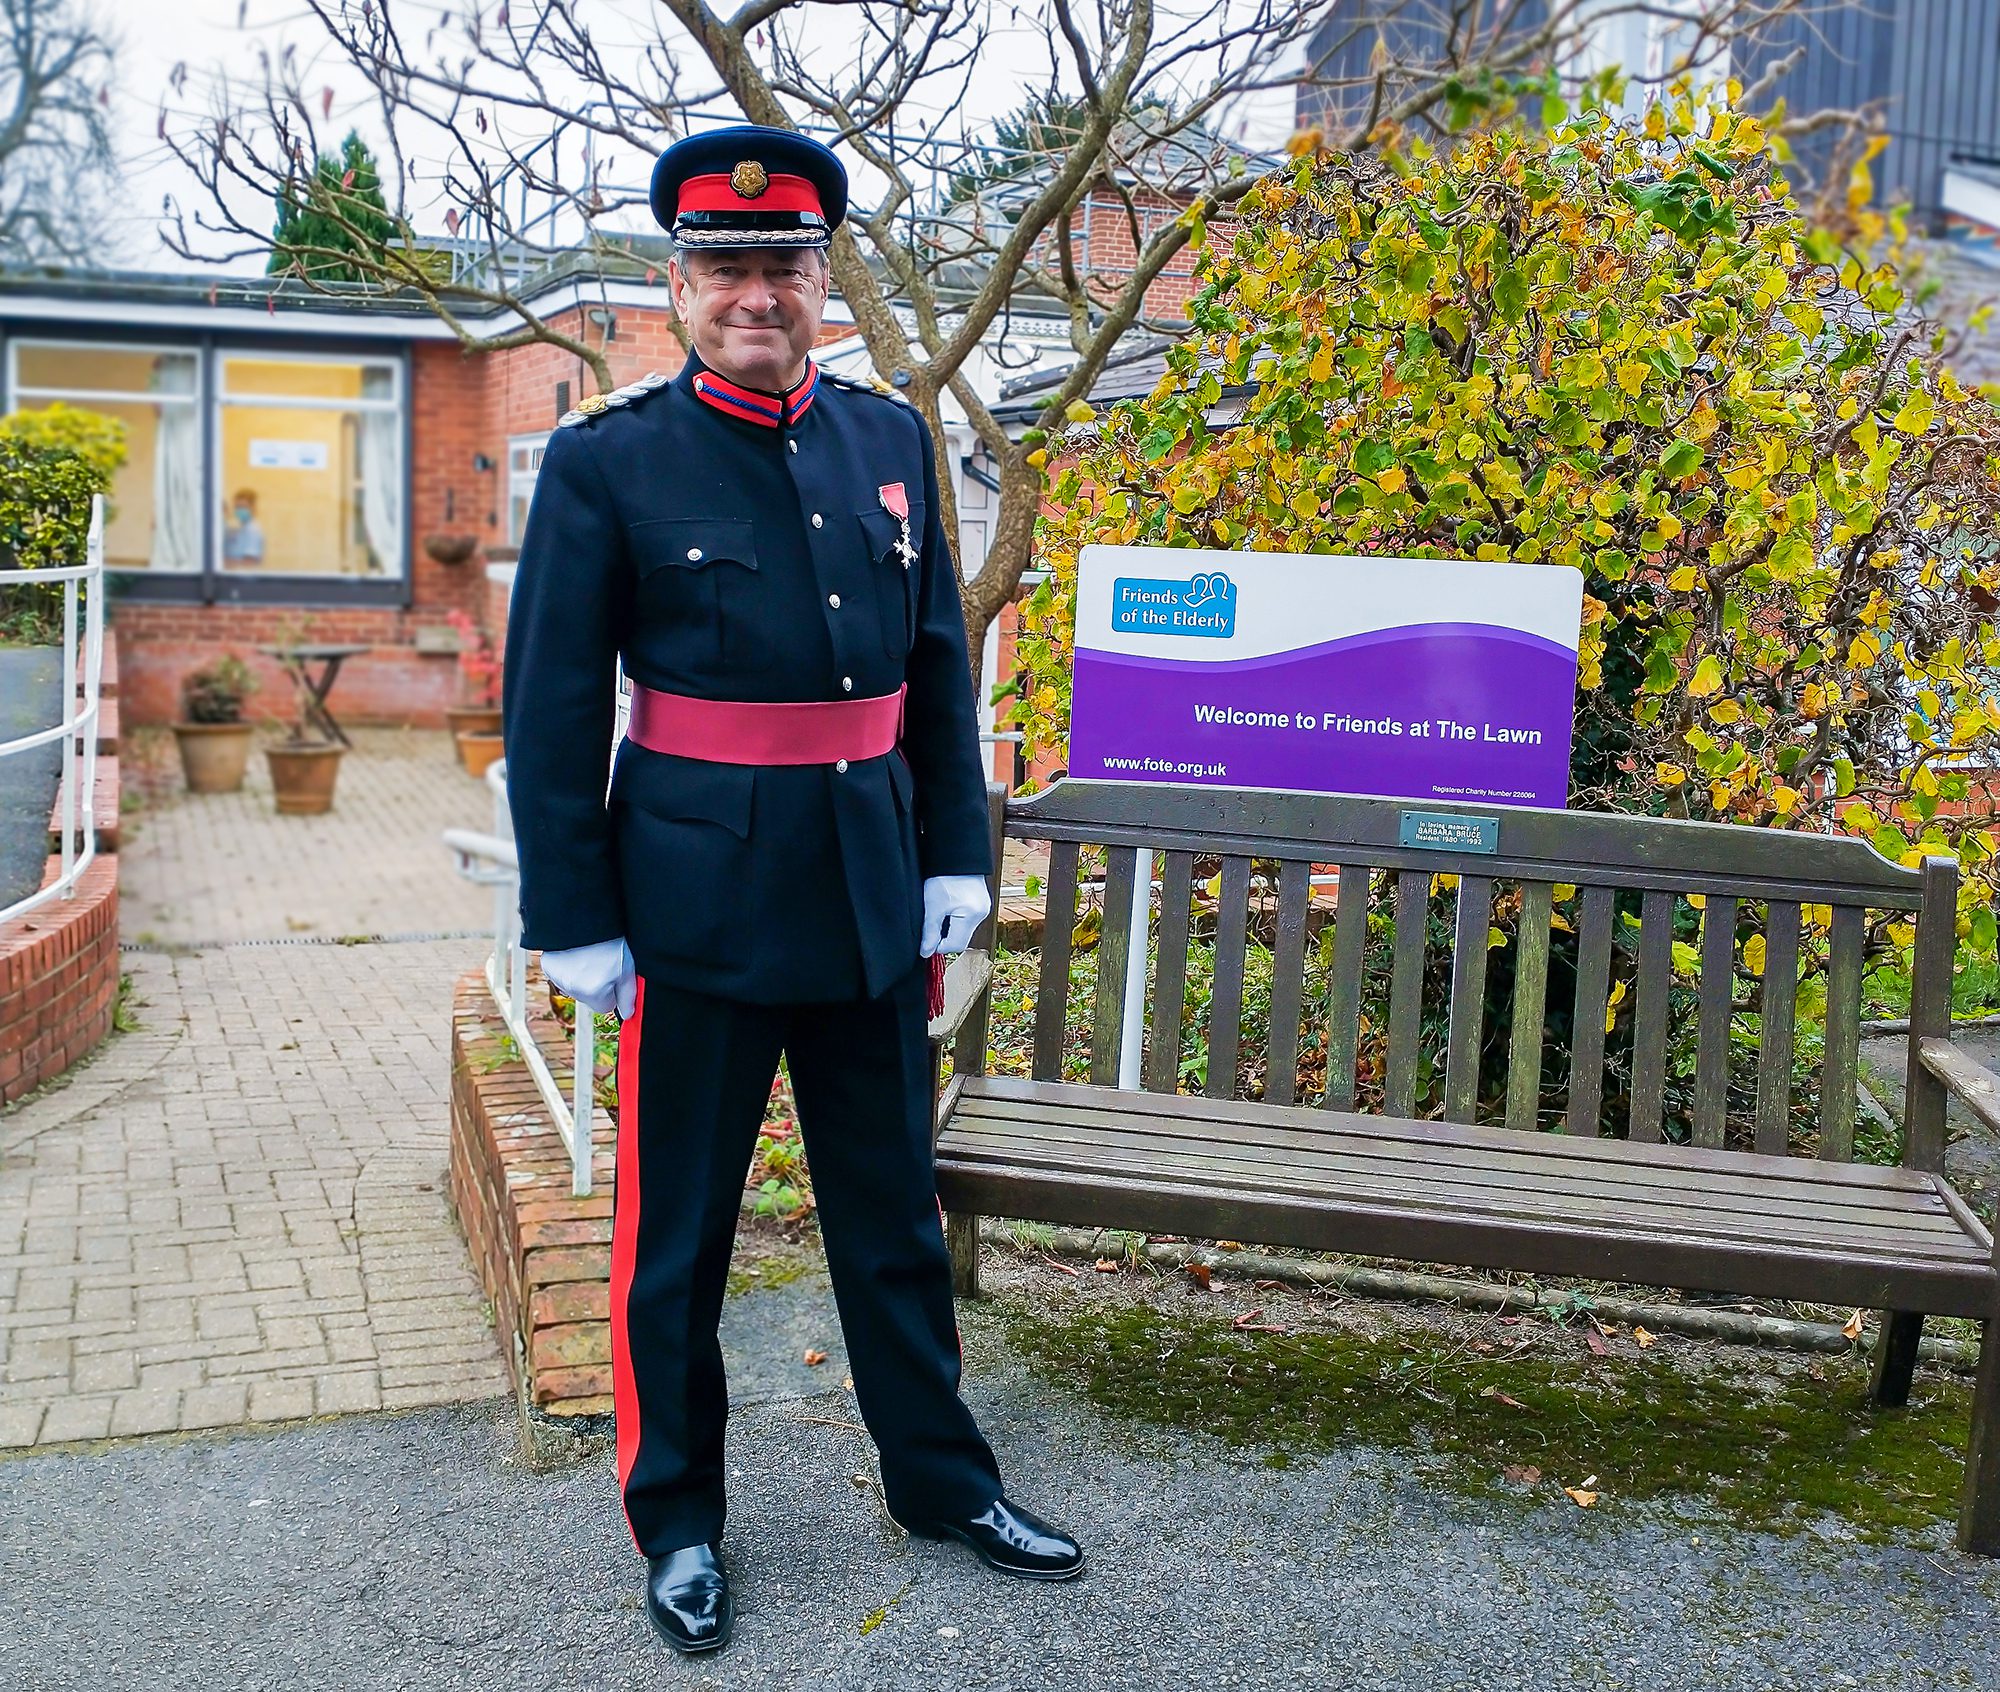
(310, 468)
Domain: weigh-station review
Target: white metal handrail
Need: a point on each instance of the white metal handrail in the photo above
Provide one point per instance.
(491, 860)
(77, 797)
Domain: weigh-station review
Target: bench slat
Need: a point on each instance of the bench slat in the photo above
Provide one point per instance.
(1468, 997)
(1406, 991)
(1593, 989)
(1838, 1068)
(1404, 1157)
(1718, 1002)
(1343, 996)
(1649, 1033)
(1162, 1070)
(1663, 1163)
(1427, 1187)
(1531, 985)
(1602, 1251)
(1774, 1042)
(1114, 950)
(1288, 968)
(1225, 998)
(1052, 989)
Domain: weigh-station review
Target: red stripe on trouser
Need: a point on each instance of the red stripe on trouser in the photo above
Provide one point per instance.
(625, 1246)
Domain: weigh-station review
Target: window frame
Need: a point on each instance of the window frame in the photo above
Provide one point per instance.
(210, 586)
(18, 393)
(221, 400)
(530, 442)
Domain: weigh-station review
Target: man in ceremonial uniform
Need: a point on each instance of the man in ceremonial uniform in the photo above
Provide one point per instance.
(796, 821)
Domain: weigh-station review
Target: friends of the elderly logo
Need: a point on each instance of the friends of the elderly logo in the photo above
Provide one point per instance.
(1205, 605)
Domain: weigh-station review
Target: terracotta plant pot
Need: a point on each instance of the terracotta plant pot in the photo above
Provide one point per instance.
(471, 719)
(302, 776)
(479, 748)
(214, 755)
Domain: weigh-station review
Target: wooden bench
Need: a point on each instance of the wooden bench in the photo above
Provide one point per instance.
(1518, 1175)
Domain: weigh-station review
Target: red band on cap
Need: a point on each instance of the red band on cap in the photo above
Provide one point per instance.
(714, 193)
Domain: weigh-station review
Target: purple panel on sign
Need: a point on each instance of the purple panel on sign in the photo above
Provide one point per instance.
(1437, 711)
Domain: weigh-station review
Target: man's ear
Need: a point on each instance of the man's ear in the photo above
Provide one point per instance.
(676, 281)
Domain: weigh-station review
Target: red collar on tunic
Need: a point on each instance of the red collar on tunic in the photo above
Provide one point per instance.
(754, 406)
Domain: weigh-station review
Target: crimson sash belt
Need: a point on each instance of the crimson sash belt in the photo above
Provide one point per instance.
(723, 731)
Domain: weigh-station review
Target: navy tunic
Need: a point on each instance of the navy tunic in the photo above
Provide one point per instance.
(726, 557)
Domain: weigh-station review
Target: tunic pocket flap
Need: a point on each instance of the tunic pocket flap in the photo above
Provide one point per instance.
(883, 529)
(692, 543)
(689, 788)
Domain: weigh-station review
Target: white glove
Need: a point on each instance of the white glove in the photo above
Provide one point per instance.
(597, 976)
(954, 905)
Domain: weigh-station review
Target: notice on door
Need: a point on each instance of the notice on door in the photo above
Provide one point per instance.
(287, 455)
(1398, 677)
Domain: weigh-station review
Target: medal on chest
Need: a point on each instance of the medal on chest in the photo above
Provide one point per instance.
(896, 502)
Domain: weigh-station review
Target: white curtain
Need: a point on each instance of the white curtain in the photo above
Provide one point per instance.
(176, 468)
(381, 473)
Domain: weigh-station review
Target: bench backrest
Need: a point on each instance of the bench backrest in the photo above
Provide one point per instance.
(1633, 878)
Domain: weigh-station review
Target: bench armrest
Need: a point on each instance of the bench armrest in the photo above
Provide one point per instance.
(1966, 1079)
(965, 978)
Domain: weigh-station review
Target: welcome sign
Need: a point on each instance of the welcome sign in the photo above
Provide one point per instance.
(1405, 678)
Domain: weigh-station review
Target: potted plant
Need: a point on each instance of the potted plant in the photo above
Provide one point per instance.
(214, 739)
(305, 764)
(475, 726)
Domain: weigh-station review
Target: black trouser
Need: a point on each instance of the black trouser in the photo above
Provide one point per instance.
(694, 1074)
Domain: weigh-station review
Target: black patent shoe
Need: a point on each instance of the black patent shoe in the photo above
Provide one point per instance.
(687, 1595)
(1013, 1540)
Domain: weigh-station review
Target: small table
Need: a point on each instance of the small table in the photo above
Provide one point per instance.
(313, 691)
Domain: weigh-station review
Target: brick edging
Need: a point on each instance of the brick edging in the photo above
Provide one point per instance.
(542, 1254)
(58, 979)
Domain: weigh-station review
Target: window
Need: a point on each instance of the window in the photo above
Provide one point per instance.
(1649, 46)
(524, 464)
(155, 503)
(310, 466)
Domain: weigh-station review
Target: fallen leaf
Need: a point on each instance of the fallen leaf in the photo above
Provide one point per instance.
(1247, 1318)
(1228, 1245)
(1199, 1273)
(1597, 1346)
(1496, 1394)
(1064, 1267)
(1581, 1497)
(1852, 1326)
(1482, 1345)
(1106, 1265)
(1523, 1474)
(873, 1620)
(1267, 1286)
(848, 1383)
(1645, 1339)
(1608, 1329)
(861, 1480)
(815, 1358)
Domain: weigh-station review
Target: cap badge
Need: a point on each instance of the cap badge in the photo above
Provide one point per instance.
(749, 179)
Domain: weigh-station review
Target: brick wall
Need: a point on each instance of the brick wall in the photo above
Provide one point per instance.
(542, 1254)
(58, 979)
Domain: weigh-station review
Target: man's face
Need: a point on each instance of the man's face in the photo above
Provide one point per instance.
(753, 312)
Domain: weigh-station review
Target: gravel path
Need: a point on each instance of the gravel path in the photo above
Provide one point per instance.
(413, 1551)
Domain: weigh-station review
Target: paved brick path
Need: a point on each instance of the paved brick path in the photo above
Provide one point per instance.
(237, 1213)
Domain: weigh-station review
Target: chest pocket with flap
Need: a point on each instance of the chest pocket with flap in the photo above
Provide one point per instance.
(895, 582)
(700, 599)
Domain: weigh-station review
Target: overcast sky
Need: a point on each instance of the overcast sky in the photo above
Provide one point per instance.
(223, 37)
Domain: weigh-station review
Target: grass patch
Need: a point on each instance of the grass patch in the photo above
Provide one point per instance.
(766, 1273)
(1771, 1451)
